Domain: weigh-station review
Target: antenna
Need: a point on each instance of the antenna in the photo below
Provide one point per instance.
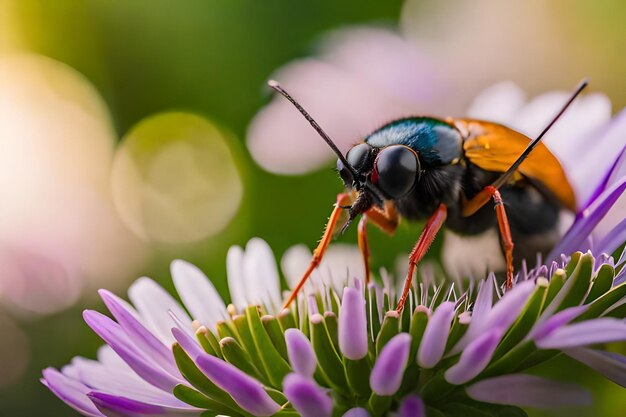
(505, 177)
(274, 85)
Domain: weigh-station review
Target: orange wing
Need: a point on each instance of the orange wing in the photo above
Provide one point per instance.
(494, 147)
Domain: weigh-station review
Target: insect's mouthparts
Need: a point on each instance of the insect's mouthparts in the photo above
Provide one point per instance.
(362, 203)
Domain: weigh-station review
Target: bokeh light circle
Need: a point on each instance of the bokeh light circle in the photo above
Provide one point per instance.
(175, 179)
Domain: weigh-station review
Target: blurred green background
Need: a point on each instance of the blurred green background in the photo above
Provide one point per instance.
(212, 58)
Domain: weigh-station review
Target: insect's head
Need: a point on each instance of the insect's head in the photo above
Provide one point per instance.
(392, 171)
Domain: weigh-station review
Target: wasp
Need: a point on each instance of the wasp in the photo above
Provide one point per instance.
(447, 171)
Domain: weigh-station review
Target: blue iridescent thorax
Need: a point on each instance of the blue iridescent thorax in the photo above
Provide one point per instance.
(436, 142)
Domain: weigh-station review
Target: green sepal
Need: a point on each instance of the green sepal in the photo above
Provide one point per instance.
(209, 342)
(418, 325)
(275, 366)
(602, 283)
(379, 405)
(525, 321)
(510, 361)
(327, 357)
(332, 326)
(573, 263)
(358, 375)
(286, 320)
(556, 284)
(389, 328)
(276, 395)
(272, 327)
(577, 283)
(224, 330)
(436, 387)
(204, 341)
(405, 314)
(603, 303)
(537, 357)
(233, 353)
(247, 342)
(197, 399)
(198, 380)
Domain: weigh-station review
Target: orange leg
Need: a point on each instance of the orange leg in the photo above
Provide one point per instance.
(421, 247)
(505, 234)
(318, 253)
(387, 220)
(480, 200)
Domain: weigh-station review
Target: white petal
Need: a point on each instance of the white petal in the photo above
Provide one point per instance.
(109, 358)
(198, 293)
(236, 283)
(570, 139)
(261, 274)
(341, 262)
(153, 303)
(499, 103)
(294, 263)
(528, 391)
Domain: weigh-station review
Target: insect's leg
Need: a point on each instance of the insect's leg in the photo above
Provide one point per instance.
(387, 220)
(505, 234)
(318, 253)
(470, 207)
(423, 243)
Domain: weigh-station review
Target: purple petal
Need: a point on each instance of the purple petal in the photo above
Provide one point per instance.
(352, 325)
(590, 332)
(301, 355)
(411, 406)
(188, 344)
(609, 364)
(613, 240)
(576, 236)
(140, 336)
(613, 136)
(560, 319)
(115, 337)
(474, 358)
(119, 381)
(436, 335)
(502, 315)
(72, 392)
(306, 397)
(388, 371)
(108, 404)
(357, 412)
(528, 391)
(247, 392)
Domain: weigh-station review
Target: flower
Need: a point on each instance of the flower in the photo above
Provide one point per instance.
(451, 350)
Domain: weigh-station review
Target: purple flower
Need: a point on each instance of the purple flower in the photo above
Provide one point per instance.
(344, 355)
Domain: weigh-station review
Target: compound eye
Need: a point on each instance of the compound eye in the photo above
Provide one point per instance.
(360, 156)
(397, 169)
(344, 173)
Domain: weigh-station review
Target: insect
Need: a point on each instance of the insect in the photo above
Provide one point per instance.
(448, 171)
